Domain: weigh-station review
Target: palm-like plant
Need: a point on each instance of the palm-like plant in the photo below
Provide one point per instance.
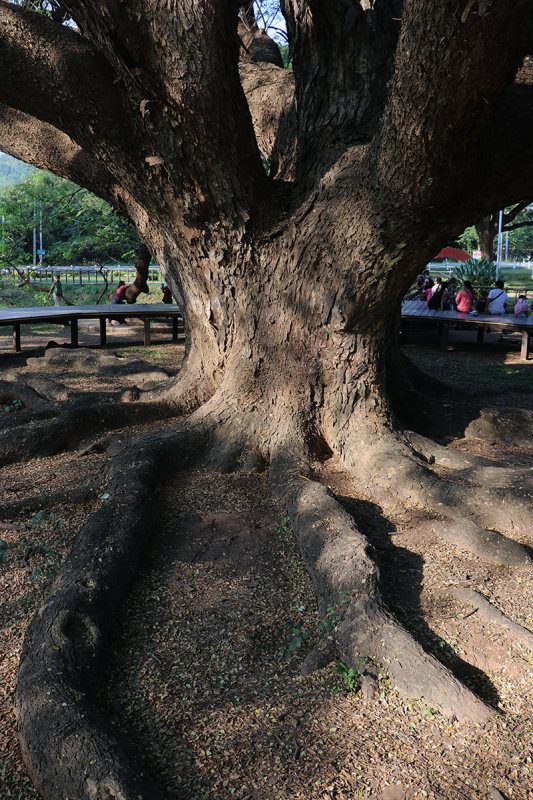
(480, 273)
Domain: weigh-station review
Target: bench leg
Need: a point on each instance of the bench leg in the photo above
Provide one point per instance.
(480, 335)
(103, 332)
(524, 351)
(74, 332)
(147, 332)
(174, 329)
(16, 337)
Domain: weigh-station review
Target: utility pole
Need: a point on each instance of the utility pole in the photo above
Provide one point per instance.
(3, 217)
(41, 251)
(499, 251)
(34, 232)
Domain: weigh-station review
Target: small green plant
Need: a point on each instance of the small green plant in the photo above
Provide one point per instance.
(5, 547)
(284, 526)
(15, 405)
(480, 273)
(384, 683)
(333, 618)
(295, 637)
(351, 676)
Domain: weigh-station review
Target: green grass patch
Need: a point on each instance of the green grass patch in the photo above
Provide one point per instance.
(508, 375)
(13, 296)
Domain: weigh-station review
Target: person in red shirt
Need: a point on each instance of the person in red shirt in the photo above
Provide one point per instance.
(167, 294)
(120, 293)
(464, 300)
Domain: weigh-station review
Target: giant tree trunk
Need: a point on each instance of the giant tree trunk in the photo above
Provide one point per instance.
(290, 285)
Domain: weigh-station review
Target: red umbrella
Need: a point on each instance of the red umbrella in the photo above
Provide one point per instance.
(453, 252)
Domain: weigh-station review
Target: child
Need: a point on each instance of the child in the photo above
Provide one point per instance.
(521, 308)
(481, 305)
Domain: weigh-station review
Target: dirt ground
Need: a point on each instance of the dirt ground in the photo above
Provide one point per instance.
(204, 676)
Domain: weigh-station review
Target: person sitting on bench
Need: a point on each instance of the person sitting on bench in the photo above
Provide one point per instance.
(497, 299)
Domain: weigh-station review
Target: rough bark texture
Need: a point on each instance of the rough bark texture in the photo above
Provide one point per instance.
(402, 128)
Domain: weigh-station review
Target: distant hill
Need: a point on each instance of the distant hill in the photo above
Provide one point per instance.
(12, 171)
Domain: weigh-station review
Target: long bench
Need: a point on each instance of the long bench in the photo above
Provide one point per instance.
(61, 315)
(418, 310)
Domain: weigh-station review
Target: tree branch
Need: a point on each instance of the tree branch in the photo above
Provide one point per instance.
(42, 145)
(343, 56)
(511, 214)
(442, 121)
(269, 91)
(46, 67)
(179, 65)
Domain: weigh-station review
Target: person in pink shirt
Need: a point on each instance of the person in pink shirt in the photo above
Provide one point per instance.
(521, 308)
(464, 300)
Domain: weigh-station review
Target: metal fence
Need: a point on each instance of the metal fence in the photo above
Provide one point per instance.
(448, 266)
(81, 274)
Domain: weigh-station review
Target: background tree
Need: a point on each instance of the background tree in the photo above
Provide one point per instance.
(515, 217)
(12, 171)
(290, 283)
(78, 227)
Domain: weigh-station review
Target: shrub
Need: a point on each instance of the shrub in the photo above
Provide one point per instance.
(480, 273)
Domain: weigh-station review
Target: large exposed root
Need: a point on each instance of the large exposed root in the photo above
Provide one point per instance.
(467, 468)
(339, 559)
(493, 614)
(184, 393)
(69, 748)
(389, 464)
(488, 545)
(74, 495)
(25, 395)
(507, 426)
(78, 423)
(43, 386)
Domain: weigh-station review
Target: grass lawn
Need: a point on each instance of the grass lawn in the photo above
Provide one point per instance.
(13, 296)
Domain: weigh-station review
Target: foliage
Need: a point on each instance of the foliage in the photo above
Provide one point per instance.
(468, 240)
(295, 637)
(284, 526)
(15, 405)
(517, 235)
(284, 50)
(480, 273)
(520, 243)
(77, 226)
(329, 624)
(12, 171)
(351, 678)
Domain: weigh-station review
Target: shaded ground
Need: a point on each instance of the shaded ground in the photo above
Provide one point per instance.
(203, 681)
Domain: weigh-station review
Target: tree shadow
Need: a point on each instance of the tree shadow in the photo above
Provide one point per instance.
(401, 584)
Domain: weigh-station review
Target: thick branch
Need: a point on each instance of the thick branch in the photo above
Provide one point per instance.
(343, 55)
(48, 71)
(179, 65)
(269, 91)
(416, 148)
(40, 144)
